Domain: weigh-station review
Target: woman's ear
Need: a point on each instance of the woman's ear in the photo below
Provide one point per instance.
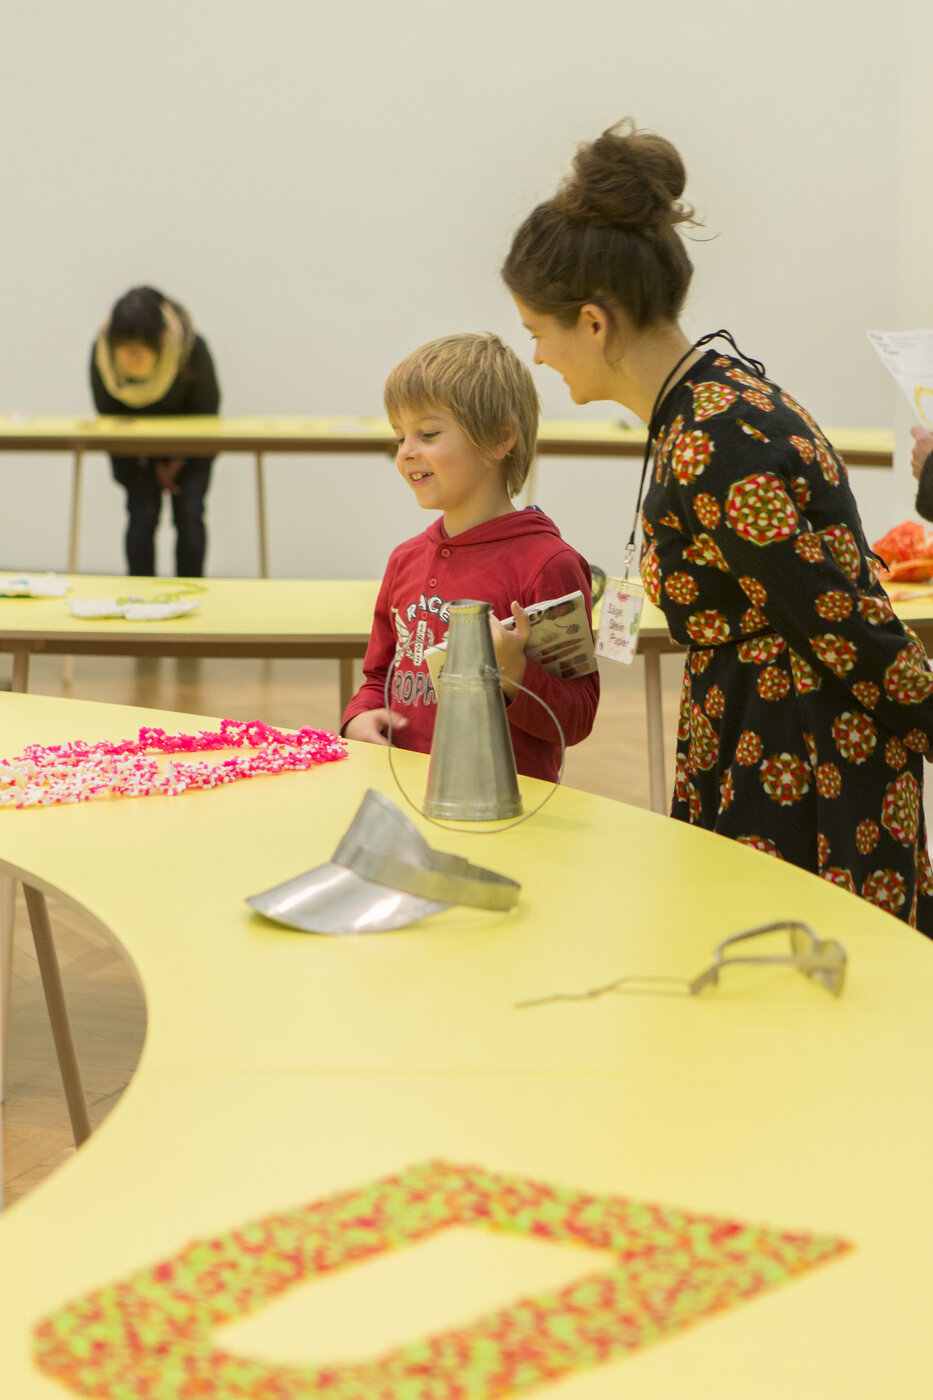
(594, 323)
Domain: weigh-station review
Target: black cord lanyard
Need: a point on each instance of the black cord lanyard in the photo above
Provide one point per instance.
(756, 365)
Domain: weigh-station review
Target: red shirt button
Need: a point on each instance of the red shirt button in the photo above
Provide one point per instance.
(432, 582)
(446, 553)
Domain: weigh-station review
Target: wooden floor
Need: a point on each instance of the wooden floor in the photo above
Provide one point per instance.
(104, 1000)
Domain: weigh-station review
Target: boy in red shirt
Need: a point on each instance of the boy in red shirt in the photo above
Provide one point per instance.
(465, 414)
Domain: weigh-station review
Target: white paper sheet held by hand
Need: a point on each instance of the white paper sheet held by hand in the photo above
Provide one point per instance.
(909, 357)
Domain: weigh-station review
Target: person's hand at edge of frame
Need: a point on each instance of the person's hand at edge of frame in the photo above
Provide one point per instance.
(923, 446)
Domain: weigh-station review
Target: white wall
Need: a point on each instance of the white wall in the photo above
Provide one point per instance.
(327, 186)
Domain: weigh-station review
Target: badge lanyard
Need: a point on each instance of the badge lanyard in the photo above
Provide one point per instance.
(624, 598)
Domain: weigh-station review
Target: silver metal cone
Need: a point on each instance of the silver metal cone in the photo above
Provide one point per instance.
(472, 774)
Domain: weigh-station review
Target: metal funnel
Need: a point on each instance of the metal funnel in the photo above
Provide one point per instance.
(472, 774)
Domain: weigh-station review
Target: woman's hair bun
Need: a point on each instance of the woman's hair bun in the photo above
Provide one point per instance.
(626, 178)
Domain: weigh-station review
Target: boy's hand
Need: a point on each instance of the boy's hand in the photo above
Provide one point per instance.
(510, 640)
(923, 446)
(372, 726)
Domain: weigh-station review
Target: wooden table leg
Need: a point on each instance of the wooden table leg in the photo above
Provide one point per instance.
(75, 526)
(261, 515)
(659, 793)
(58, 1014)
(73, 537)
(20, 682)
(346, 682)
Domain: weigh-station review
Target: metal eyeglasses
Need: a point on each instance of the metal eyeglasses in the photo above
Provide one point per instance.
(823, 961)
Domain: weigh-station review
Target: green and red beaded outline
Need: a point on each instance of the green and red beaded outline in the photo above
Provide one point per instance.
(151, 1336)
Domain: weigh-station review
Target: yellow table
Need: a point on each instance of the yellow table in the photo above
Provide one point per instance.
(654, 641)
(312, 618)
(281, 1068)
(208, 435)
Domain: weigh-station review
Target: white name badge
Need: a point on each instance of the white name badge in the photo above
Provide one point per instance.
(620, 619)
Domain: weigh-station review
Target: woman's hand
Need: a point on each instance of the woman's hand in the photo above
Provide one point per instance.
(372, 726)
(923, 446)
(510, 641)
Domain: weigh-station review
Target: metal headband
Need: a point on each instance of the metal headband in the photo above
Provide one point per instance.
(454, 881)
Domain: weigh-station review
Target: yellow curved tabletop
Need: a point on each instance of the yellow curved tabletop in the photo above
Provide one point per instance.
(280, 1068)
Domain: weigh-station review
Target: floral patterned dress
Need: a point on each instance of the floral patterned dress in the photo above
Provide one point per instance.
(807, 708)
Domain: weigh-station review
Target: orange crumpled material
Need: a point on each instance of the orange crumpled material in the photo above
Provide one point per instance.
(907, 550)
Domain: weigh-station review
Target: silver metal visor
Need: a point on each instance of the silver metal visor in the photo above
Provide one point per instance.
(383, 875)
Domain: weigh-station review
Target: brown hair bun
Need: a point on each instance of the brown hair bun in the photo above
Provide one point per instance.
(627, 178)
(609, 235)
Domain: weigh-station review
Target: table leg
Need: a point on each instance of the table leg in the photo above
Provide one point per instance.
(659, 793)
(74, 533)
(347, 687)
(20, 682)
(261, 515)
(58, 1013)
(75, 512)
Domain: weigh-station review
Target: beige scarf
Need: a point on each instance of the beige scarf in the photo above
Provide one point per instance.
(177, 340)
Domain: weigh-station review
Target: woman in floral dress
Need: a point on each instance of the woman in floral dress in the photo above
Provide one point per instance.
(807, 709)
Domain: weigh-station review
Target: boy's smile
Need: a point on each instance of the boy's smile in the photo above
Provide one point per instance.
(446, 472)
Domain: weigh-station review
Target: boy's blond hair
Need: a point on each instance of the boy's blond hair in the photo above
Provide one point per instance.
(483, 385)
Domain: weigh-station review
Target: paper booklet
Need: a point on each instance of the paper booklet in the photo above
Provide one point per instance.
(909, 357)
(33, 586)
(561, 639)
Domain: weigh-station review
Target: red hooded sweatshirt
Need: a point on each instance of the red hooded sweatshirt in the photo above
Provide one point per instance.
(519, 556)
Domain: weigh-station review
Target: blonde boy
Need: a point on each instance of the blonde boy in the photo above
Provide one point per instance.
(465, 414)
